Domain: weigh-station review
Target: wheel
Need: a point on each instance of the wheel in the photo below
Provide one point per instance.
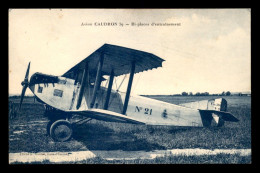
(61, 131)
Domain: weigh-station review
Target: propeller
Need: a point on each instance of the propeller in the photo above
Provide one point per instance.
(25, 84)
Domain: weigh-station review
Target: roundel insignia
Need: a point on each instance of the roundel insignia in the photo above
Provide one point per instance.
(164, 114)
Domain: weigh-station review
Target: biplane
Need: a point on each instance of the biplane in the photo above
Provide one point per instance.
(78, 92)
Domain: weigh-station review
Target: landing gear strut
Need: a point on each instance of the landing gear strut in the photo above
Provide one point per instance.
(61, 124)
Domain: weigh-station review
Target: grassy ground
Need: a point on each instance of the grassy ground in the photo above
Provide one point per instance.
(27, 133)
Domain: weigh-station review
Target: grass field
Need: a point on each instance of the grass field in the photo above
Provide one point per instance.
(27, 133)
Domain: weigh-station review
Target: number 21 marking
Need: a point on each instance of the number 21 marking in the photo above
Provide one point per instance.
(148, 111)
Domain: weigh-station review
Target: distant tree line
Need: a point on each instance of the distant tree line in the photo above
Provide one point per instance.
(228, 93)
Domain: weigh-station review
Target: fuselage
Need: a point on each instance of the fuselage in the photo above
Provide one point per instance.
(62, 93)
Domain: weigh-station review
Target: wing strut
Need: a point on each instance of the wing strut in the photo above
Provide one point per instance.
(111, 78)
(83, 82)
(128, 91)
(98, 80)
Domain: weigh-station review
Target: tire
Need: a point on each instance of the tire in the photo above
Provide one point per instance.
(61, 131)
(48, 128)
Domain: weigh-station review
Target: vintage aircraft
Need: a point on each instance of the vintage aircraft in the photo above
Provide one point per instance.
(78, 92)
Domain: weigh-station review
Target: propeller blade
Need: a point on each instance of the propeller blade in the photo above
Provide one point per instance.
(27, 72)
(22, 96)
(25, 85)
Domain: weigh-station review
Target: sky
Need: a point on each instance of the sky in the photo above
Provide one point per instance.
(209, 50)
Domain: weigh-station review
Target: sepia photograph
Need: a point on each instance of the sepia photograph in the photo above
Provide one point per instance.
(129, 86)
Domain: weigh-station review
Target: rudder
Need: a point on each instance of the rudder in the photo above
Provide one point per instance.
(219, 104)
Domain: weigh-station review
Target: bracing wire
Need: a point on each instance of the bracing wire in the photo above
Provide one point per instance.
(123, 80)
(118, 87)
(121, 83)
(137, 82)
(115, 82)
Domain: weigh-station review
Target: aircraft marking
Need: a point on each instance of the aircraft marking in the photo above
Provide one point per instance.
(147, 111)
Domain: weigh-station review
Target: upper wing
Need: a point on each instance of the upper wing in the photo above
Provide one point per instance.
(106, 115)
(117, 58)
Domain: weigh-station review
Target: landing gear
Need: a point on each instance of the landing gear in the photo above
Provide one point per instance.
(60, 130)
(58, 127)
(61, 124)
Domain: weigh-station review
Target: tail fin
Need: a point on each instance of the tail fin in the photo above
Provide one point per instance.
(219, 104)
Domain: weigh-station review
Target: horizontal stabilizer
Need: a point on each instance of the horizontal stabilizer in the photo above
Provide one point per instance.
(226, 116)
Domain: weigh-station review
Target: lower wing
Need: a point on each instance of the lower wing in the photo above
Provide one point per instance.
(106, 115)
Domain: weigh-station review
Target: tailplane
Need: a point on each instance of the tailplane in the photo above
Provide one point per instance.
(213, 112)
(216, 118)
